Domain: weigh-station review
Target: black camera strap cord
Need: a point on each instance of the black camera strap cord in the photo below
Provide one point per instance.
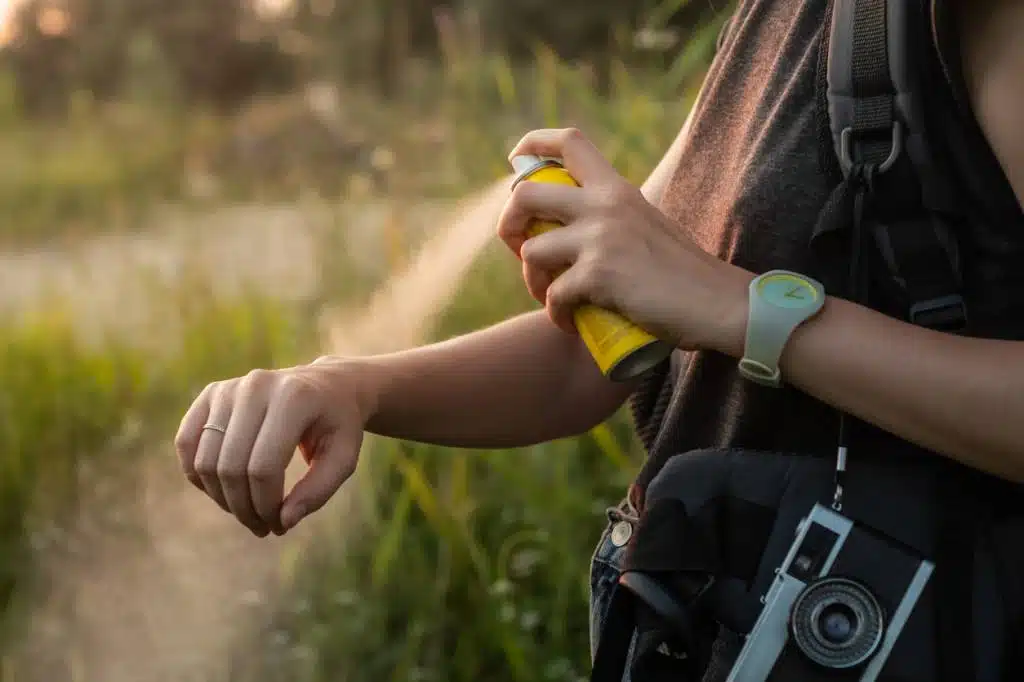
(863, 176)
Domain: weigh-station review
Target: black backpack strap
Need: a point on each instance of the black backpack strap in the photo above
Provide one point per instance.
(892, 186)
(876, 111)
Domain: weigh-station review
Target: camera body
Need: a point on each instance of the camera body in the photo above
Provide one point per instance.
(837, 605)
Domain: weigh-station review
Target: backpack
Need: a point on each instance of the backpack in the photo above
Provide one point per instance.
(718, 524)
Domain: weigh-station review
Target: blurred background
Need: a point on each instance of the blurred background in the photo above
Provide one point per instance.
(194, 188)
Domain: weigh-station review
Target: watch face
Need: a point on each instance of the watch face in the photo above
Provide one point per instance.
(787, 291)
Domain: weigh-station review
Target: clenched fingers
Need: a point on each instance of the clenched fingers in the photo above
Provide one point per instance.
(335, 463)
(233, 464)
(289, 413)
(186, 441)
(547, 255)
(582, 284)
(239, 436)
(212, 438)
(532, 201)
(581, 158)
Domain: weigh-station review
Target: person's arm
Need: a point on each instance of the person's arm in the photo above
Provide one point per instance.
(521, 382)
(961, 397)
(958, 396)
(518, 383)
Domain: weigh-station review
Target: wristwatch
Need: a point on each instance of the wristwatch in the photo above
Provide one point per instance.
(780, 301)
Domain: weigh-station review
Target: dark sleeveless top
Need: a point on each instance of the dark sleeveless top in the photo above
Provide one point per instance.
(749, 186)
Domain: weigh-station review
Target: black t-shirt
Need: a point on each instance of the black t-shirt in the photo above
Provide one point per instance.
(749, 187)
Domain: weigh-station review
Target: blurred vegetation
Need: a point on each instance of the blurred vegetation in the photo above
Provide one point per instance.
(223, 52)
(67, 406)
(471, 565)
(108, 107)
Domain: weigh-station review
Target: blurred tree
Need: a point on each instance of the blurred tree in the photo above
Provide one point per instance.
(197, 40)
(221, 52)
(42, 62)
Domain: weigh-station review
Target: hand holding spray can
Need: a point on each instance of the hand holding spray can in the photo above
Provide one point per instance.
(622, 350)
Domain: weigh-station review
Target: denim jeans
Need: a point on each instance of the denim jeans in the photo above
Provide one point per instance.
(605, 569)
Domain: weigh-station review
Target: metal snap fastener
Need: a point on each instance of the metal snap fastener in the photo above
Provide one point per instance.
(621, 533)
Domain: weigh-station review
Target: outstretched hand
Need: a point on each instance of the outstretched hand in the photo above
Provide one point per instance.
(619, 252)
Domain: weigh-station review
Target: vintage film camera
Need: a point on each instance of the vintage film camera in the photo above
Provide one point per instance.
(838, 603)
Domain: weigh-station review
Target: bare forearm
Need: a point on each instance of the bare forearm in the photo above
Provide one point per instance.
(958, 396)
(518, 383)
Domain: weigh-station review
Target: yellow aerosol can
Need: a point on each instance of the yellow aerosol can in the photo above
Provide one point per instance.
(622, 350)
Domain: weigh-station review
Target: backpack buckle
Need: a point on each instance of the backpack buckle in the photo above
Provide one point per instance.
(846, 161)
(943, 313)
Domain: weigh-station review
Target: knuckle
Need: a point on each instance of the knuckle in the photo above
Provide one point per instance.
(210, 391)
(520, 196)
(258, 378)
(528, 136)
(186, 442)
(206, 468)
(591, 276)
(262, 473)
(528, 251)
(553, 296)
(294, 388)
(605, 237)
(571, 134)
(230, 471)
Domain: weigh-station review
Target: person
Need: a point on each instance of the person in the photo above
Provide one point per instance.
(737, 194)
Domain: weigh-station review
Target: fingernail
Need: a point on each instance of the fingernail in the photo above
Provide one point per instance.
(291, 517)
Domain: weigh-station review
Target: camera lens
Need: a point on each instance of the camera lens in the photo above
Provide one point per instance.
(837, 623)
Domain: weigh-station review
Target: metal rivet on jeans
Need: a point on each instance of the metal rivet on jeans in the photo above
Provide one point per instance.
(621, 533)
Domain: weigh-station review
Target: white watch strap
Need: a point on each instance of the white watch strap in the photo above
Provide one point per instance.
(768, 330)
(764, 344)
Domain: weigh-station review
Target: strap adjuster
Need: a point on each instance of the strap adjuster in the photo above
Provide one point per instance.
(846, 152)
(944, 313)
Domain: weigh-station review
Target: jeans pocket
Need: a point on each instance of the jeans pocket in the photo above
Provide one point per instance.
(606, 567)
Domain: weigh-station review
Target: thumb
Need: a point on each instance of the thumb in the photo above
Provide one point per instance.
(327, 471)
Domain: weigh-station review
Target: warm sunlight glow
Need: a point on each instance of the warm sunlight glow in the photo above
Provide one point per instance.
(53, 21)
(6, 30)
(273, 8)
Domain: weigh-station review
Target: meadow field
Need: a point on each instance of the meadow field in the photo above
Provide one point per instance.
(146, 251)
